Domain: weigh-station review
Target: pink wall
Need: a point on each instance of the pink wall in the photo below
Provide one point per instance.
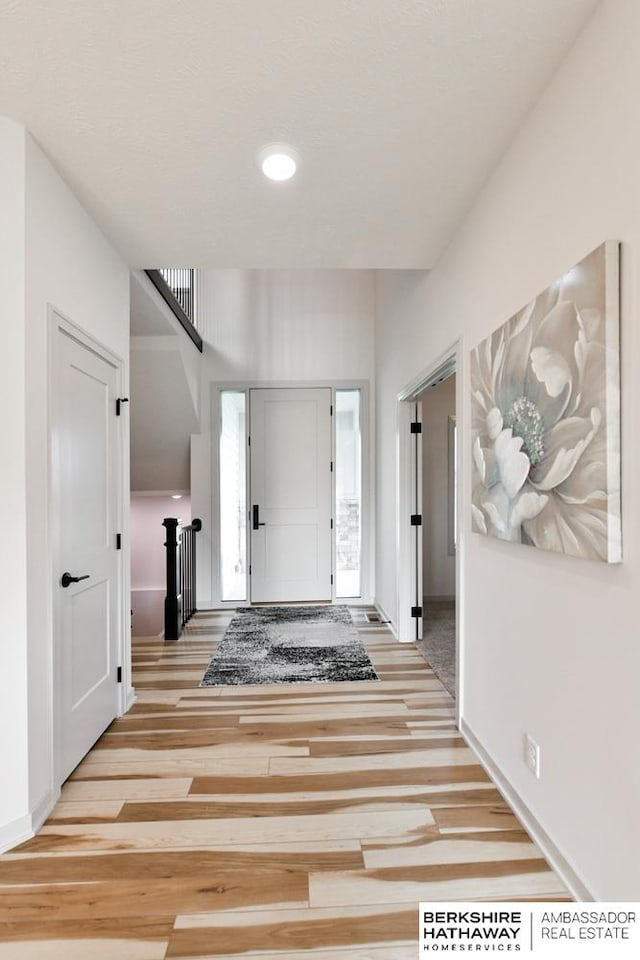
(148, 558)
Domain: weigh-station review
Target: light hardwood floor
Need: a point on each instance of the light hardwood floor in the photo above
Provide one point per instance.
(226, 822)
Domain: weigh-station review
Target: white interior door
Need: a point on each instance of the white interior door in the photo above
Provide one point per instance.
(85, 465)
(290, 495)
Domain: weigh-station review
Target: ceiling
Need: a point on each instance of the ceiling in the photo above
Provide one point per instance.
(154, 110)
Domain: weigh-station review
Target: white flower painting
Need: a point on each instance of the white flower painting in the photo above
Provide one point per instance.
(546, 418)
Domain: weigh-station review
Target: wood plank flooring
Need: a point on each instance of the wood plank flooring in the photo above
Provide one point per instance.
(230, 822)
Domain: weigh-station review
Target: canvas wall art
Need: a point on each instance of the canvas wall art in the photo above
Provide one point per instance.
(545, 395)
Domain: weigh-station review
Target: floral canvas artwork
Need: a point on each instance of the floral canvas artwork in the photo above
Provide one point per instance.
(545, 394)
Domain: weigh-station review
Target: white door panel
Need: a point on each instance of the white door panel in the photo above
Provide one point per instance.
(89, 662)
(290, 444)
(85, 485)
(291, 552)
(291, 485)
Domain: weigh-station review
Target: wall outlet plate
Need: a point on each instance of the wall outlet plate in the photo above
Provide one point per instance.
(532, 755)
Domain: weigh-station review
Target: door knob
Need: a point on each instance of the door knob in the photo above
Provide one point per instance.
(67, 579)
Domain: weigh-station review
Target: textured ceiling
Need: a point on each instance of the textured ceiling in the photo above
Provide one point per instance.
(153, 110)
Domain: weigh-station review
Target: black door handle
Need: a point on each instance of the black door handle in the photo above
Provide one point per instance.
(67, 579)
(256, 517)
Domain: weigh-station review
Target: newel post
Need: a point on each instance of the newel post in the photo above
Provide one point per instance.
(172, 600)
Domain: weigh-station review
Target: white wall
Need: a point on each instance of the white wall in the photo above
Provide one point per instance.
(550, 643)
(165, 390)
(288, 324)
(438, 566)
(148, 558)
(264, 326)
(58, 257)
(13, 555)
(162, 413)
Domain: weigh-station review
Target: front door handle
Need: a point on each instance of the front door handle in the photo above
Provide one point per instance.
(66, 579)
(256, 517)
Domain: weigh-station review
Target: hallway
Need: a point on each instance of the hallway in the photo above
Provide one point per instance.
(222, 822)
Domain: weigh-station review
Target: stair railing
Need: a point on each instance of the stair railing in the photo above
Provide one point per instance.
(178, 290)
(180, 598)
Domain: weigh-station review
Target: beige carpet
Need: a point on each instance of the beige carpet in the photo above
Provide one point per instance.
(438, 646)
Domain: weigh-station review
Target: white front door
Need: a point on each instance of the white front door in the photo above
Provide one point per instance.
(291, 487)
(85, 466)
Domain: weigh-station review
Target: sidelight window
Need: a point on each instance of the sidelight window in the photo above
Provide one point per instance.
(233, 496)
(348, 524)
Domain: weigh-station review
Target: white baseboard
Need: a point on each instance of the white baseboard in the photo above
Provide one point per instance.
(44, 808)
(384, 616)
(11, 834)
(25, 827)
(552, 854)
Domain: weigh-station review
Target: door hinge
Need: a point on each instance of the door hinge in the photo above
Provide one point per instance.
(119, 402)
(416, 519)
(331, 579)
(249, 569)
(331, 410)
(332, 523)
(249, 441)
(119, 675)
(118, 541)
(332, 466)
(416, 427)
(416, 611)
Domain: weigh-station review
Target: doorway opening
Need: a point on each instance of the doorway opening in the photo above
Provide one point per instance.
(427, 519)
(439, 529)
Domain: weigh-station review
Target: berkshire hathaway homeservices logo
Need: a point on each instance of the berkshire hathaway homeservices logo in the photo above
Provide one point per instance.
(473, 929)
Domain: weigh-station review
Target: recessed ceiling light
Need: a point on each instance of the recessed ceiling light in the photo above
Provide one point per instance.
(176, 496)
(278, 161)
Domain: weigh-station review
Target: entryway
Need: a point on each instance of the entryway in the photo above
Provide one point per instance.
(293, 511)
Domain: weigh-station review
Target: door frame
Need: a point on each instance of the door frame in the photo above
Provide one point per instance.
(409, 498)
(367, 542)
(56, 322)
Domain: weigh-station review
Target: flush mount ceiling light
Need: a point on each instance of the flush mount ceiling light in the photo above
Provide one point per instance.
(176, 496)
(278, 161)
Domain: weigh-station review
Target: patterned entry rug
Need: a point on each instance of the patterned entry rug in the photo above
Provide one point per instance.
(289, 645)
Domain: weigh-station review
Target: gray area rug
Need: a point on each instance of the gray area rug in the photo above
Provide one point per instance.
(438, 646)
(265, 645)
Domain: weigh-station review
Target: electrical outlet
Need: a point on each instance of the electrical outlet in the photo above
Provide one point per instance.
(532, 755)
